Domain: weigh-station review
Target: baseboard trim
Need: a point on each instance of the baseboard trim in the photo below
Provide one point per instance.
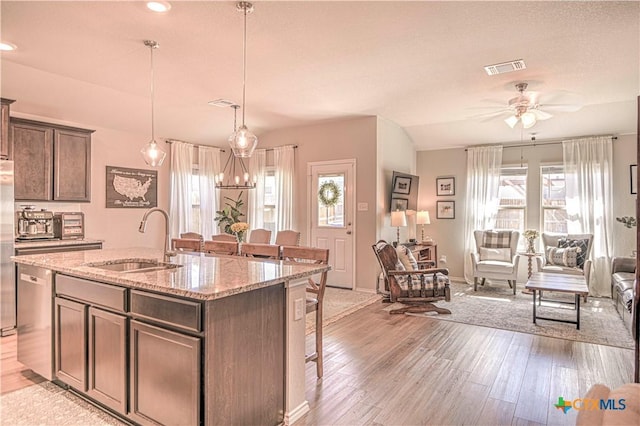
(290, 417)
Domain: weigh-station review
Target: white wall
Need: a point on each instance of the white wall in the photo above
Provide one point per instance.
(117, 227)
(449, 233)
(338, 140)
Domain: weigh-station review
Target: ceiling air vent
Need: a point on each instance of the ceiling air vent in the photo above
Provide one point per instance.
(505, 67)
(222, 103)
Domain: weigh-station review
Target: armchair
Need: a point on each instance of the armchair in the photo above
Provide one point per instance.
(552, 262)
(495, 257)
(416, 288)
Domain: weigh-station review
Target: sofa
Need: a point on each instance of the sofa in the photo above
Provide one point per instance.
(623, 275)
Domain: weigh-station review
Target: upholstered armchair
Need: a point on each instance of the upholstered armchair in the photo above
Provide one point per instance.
(496, 257)
(566, 254)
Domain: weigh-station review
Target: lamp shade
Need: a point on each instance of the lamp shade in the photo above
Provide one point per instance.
(422, 218)
(528, 119)
(398, 218)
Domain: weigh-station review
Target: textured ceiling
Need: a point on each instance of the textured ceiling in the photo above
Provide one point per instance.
(418, 64)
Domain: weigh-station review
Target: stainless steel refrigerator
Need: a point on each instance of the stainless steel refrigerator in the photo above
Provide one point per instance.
(7, 268)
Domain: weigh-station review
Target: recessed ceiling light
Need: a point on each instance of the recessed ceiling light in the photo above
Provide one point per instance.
(159, 6)
(7, 47)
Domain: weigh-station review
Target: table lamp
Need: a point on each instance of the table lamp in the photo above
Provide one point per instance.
(398, 219)
(422, 218)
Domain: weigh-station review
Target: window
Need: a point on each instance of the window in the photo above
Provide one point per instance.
(195, 198)
(513, 198)
(269, 217)
(554, 205)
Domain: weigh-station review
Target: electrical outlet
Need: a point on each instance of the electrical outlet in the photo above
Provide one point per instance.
(298, 309)
(443, 259)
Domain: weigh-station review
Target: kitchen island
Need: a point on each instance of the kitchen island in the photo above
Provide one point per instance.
(206, 340)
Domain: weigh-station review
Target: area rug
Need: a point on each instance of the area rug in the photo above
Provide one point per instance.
(339, 303)
(49, 404)
(495, 306)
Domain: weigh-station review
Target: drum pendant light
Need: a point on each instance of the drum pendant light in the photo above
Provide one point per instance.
(242, 141)
(152, 154)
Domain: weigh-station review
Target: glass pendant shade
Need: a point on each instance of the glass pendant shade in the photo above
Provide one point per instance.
(528, 120)
(243, 142)
(152, 154)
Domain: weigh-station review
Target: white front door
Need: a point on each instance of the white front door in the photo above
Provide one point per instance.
(332, 222)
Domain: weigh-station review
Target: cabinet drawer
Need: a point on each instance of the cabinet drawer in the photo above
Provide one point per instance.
(108, 296)
(180, 313)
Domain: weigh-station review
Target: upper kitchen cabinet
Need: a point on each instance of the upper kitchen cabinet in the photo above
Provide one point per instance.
(5, 145)
(51, 162)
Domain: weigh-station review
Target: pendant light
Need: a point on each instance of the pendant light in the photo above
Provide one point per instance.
(235, 174)
(242, 141)
(151, 152)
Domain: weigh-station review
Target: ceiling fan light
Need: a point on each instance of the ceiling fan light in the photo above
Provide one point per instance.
(511, 121)
(528, 120)
(152, 154)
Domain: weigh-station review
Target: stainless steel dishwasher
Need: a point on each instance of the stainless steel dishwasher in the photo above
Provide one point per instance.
(35, 319)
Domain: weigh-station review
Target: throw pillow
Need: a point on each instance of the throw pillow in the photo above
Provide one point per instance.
(501, 254)
(562, 256)
(496, 239)
(582, 245)
(406, 258)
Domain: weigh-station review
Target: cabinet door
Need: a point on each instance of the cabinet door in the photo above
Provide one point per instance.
(5, 145)
(165, 376)
(72, 165)
(107, 359)
(71, 343)
(32, 156)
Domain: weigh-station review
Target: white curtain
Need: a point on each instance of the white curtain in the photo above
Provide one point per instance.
(255, 207)
(588, 168)
(483, 182)
(208, 167)
(180, 187)
(284, 161)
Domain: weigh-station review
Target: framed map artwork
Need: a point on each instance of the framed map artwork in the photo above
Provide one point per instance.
(131, 188)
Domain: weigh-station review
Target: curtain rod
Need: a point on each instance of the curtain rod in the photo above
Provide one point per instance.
(170, 141)
(544, 142)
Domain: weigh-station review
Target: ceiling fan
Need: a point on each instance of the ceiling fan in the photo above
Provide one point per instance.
(526, 108)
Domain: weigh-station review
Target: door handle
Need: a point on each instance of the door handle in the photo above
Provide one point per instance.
(348, 232)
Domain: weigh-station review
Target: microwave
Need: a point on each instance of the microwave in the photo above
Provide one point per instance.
(68, 226)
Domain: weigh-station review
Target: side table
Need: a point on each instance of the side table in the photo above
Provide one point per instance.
(530, 257)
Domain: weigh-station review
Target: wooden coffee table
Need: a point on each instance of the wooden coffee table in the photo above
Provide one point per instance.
(546, 281)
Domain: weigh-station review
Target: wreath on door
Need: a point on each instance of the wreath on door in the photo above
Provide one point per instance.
(329, 194)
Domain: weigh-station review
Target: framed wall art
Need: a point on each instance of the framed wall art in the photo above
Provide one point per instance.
(399, 204)
(633, 172)
(402, 185)
(446, 186)
(131, 188)
(445, 209)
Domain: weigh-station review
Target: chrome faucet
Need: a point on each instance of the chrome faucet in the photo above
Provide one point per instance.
(168, 253)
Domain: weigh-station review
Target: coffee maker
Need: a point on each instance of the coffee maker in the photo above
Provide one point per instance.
(32, 224)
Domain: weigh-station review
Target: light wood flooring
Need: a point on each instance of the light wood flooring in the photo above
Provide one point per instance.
(400, 370)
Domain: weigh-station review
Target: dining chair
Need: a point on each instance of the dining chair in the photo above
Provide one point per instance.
(221, 247)
(191, 235)
(269, 251)
(288, 238)
(224, 237)
(315, 290)
(260, 236)
(186, 244)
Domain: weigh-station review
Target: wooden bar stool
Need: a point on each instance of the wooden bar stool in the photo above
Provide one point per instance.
(315, 292)
(268, 251)
(221, 247)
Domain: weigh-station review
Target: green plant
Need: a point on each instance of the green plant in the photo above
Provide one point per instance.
(230, 214)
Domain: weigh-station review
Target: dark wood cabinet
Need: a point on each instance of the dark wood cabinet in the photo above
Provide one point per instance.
(51, 162)
(5, 140)
(71, 343)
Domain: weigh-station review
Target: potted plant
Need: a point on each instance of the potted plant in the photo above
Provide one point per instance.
(230, 214)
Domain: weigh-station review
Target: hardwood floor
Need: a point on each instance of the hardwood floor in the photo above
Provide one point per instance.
(400, 370)
(381, 369)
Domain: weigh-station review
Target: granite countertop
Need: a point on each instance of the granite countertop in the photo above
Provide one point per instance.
(203, 277)
(54, 243)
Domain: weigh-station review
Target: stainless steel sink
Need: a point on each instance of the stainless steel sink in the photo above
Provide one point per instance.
(128, 266)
